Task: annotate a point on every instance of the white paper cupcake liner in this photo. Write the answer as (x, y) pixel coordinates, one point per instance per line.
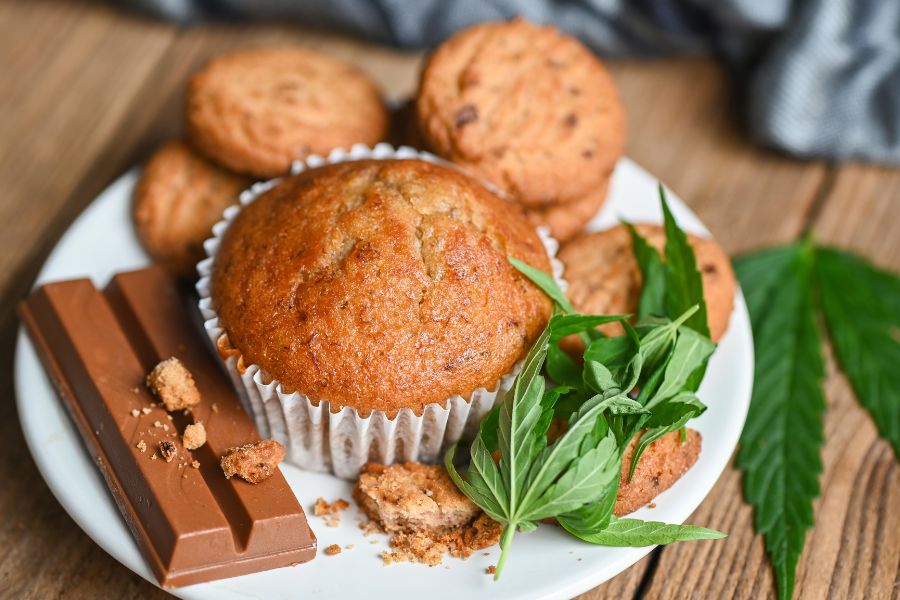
(316, 438)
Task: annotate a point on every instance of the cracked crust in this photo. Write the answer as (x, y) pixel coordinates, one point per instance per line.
(380, 285)
(257, 110)
(525, 107)
(178, 199)
(604, 277)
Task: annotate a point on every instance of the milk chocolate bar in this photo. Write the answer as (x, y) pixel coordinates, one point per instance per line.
(191, 523)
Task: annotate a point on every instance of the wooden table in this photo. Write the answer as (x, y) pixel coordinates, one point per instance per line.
(86, 92)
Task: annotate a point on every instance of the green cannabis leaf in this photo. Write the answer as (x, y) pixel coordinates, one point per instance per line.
(575, 479)
(638, 533)
(783, 436)
(670, 287)
(684, 285)
(861, 305)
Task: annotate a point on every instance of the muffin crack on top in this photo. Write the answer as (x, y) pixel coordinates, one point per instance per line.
(380, 285)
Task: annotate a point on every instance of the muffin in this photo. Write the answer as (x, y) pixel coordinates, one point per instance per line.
(256, 111)
(525, 107)
(604, 277)
(374, 291)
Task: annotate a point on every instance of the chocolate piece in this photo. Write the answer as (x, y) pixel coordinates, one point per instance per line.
(192, 524)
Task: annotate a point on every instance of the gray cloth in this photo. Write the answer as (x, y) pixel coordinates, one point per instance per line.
(817, 78)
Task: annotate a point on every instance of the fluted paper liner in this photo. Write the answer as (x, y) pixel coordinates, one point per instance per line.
(341, 441)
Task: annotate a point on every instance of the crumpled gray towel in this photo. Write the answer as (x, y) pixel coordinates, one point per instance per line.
(819, 78)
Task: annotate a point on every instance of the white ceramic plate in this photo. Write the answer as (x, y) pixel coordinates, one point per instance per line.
(545, 564)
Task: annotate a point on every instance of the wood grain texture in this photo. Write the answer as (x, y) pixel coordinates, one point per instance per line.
(85, 92)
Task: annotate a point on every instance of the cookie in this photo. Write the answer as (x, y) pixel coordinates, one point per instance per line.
(178, 199)
(256, 111)
(604, 277)
(660, 466)
(525, 107)
(566, 220)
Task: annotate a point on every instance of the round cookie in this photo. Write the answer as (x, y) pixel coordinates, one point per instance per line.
(525, 107)
(604, 277)
(566, 220)
(178, 199)
(256, 111)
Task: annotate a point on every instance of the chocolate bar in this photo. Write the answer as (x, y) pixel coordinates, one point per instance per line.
(191, 523)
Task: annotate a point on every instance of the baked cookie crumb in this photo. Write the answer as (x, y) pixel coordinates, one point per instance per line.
(427, 514)
(429, 547)
(167, 450)
(332, 550)
(322, 507)
(194, 436)
(331, 511)
(412, 497)
(253, 462)
(370, 527)
(173, 384)
(491, 569)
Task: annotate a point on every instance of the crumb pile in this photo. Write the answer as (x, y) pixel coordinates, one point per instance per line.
(331, 512)
(427, 514)
(174, 385)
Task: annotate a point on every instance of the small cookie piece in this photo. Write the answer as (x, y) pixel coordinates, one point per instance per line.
(194, 436)
(178, 199)
(604, 277)
(660, 466)
(566, 220)
(412, 497)
(173, 384)
(258, 110)
(167, 450)
(429, 547)
(332, 549)
(253, 462)
(525, 107)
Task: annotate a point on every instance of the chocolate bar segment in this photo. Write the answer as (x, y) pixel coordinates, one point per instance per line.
(193, 525)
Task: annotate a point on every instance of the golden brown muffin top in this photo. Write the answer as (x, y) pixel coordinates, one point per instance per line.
(380, 285)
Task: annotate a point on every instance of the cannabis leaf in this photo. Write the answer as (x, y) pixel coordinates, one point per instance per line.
(535, 480)
(638, 533)
(783, 436)
(861, 305)
(575, 479)
(653, 276)
(669, 287)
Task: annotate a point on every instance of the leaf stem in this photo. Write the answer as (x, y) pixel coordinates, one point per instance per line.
(505, 543)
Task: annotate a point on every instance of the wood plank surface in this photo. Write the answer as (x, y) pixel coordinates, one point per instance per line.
(87, 91)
